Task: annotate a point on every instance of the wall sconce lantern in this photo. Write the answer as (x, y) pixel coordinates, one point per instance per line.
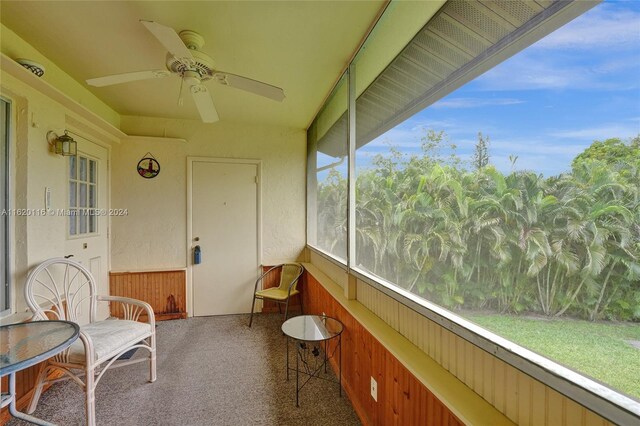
(62, 145)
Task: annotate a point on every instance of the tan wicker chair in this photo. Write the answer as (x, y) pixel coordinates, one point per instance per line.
(61, 289)
(290, 274)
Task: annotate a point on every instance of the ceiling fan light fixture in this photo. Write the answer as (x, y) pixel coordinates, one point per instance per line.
(191, 78)
(194, 67)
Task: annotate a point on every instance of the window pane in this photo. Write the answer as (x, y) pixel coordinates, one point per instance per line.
(83, 169)
(327, 177)
(73, 222)
(72, 167)
(92, 221)
(82, 219)
(92, 171)
(73, 194)
(92, 196)
(83, 195)
(513, 200)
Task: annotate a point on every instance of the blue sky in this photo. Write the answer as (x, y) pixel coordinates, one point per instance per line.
(547, 103)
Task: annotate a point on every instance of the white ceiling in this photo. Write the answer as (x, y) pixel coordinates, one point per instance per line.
(300, 46)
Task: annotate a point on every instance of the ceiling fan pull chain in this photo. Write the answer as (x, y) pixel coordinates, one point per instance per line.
(180, 98)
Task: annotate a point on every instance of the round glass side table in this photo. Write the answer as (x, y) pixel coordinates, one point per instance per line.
(26, 344)
(312, 335)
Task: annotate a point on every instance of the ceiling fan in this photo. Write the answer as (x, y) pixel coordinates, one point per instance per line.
(187, 61)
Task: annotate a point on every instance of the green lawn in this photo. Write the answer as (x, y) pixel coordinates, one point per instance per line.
(600, 350)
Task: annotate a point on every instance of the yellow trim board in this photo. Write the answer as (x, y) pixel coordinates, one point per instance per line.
(461, 400)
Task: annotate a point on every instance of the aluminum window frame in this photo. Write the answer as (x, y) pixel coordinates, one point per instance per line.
(7, 224)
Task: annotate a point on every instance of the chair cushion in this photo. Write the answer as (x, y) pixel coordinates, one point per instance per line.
(109, 337)
(275, 293)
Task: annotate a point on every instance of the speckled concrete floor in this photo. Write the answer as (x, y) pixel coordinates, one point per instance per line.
(211, 371)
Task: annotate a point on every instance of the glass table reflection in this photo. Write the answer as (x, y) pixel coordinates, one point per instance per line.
(26, 344)
(312, 335)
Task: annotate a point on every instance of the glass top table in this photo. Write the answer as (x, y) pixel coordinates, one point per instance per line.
(26, 344)
(315, 346)
(312, 328)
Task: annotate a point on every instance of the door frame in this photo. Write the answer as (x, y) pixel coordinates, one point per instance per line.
(189, 241)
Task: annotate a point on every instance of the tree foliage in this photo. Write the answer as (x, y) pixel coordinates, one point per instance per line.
(481, 154)
(613, 152)
(480, 239)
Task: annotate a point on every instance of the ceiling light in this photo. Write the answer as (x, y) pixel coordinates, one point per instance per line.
(34, 67)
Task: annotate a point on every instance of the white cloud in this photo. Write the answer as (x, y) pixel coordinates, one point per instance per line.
(523, 147)
(409, 134)
(538, 155)
(534, 155)
(601, 27)
(397, 137)
(596, 51)
(531, 71)
(618, 64)
(418, 125)
(601, 132)
(475, 102)
(524, 72)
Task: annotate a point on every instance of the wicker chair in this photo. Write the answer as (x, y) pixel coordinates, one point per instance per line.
(61, 289)
(290, 274)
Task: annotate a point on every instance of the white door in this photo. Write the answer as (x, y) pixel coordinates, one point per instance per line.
(224, 220)
(87, 201)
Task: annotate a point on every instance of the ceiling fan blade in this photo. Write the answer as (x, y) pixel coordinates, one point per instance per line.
(127, 77)
(204, 103)
(168, 37)
(249, 85)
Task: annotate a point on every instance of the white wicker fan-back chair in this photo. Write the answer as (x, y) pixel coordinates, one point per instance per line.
(64, 289)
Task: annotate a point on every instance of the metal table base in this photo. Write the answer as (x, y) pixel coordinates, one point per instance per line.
(321, 344)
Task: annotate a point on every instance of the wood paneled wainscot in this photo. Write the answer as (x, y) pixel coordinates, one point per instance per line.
(419, 392)
(164, 290)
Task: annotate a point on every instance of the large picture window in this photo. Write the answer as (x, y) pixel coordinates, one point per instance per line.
(327, 176)
(514, 201)
(506, 188)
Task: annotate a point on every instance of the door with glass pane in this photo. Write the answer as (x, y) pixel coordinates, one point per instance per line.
(87, 213)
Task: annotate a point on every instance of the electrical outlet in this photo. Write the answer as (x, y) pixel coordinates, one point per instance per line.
(374, 389)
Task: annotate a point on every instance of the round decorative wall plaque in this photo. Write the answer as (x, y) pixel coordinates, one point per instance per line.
(148, 167)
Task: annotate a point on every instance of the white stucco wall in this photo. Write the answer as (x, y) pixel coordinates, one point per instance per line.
(35, 238)
(153, 234)
(15, 47)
